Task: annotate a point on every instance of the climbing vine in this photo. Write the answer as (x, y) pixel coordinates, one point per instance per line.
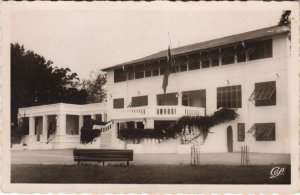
(88, 134)
(200, 124)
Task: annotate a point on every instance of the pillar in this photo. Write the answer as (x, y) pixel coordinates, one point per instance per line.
(179, 98)
(61, 124)
(31, 128)
(152, 100)
(149, 124)
(80, 122)
(93, 116)
(105, 117)
(45, 127)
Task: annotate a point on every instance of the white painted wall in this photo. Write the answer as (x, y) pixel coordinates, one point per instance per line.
(245, 74)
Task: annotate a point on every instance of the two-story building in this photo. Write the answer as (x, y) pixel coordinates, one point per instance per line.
(247, 72)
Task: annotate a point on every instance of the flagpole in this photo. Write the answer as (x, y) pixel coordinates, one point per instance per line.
(177, 79)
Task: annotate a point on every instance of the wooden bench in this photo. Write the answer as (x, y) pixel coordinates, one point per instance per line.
(102, 155)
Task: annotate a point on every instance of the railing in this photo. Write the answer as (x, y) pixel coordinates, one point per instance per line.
(106, 128)
(157, 111)
(72, 138)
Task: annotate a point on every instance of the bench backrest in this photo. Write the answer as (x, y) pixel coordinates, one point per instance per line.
(103, 154)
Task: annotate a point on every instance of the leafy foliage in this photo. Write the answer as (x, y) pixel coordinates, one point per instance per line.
(285, 18)
(34, 81)
(136, 134)
(95, 87)
(88, 134)
(203, 124)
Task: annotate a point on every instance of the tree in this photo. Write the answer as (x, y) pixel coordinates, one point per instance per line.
(95, 87)
(285, 18)
(34, 81)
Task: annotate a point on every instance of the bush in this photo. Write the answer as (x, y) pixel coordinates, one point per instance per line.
(88, 134)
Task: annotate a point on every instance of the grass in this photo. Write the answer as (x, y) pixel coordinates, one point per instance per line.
(147, 174)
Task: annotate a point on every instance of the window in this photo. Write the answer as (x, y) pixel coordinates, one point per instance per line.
(155, 72)
(264, 94)
(130, 125)
(140, 125)
(214, 56)
(130, 73)
(259, 49)
(139, 101)
(162, 70)
(241, 132)
(194, 62)
(167, 99)
(263, 131)
(240, 53)
(229, 97)
(205, 61)
(148, 70)
(118, 103)
(119, 75)
(228, 54)
(139, 72)
(183, 67)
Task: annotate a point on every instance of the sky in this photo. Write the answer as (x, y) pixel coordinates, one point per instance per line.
(87, 40)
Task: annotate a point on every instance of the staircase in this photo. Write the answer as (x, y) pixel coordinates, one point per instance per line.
(106, 136)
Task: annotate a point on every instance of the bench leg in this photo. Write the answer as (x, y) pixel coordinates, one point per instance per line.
(103, 164)
(127, 163)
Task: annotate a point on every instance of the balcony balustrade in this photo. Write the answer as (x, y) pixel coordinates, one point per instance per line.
(157, 112)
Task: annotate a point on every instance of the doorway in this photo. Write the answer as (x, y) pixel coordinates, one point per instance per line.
(229, 139)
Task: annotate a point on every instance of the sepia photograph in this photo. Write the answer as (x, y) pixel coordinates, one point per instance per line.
(151, 94)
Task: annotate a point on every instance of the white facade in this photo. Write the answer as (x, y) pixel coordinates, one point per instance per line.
(245, 74)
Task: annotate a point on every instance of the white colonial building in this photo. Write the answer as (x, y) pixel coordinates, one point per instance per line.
(247, 71)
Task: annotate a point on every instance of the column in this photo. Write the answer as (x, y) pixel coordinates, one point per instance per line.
(61, 124)
(179, 94)
(45, 127)
(149, 124)
(152, 100)
(31, 128)
(105, 117)
(80, 122)
(93, 116)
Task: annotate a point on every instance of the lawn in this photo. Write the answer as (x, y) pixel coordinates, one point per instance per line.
(147, 174)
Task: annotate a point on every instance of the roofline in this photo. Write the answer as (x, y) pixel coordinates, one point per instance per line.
(140, 60)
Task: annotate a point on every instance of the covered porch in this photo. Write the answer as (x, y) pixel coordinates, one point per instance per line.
(56, 125)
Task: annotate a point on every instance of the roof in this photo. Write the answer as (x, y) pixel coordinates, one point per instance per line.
(265, 32)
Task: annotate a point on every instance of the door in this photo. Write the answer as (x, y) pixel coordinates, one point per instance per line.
(229, 139)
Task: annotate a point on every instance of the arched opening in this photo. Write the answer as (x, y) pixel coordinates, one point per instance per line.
(229, 139)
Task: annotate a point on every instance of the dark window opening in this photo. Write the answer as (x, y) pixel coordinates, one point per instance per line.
(139, 101)
(162, 70)
(240, 53)
(119, 75)
(183, 67)
(139, 72)
(118, 103)
(229, 97)
(259, 49)
(214, 56)
(148, 73)
(228, 54)
(264, 94)
(140, 125)
(130, 125)
(194, 62)
(263, 131)
(155, 72)
(205, 61)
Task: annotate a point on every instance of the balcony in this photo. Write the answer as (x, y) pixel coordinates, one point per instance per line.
(167, 112)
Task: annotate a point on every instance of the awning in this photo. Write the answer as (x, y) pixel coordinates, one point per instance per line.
(262, 129)
(263, 93)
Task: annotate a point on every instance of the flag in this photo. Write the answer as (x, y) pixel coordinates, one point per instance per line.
(168, 66)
